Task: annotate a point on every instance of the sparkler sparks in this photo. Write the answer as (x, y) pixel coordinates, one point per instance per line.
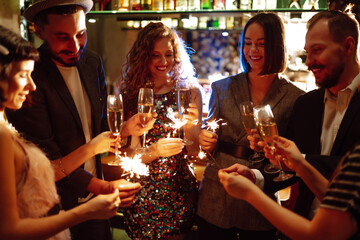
(131, 166)
(205, 154)
(177, 122)
(214, 124)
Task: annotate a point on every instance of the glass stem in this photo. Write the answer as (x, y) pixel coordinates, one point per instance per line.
(144, 140)
(116, 150)
(280, 167)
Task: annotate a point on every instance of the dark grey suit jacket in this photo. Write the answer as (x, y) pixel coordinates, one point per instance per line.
(215, 205)
(305, 126)
(53, 123)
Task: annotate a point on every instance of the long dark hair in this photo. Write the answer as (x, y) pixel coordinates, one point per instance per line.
(13, 48)
(275, 51)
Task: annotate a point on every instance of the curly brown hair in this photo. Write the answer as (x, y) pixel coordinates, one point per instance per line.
(136, 74)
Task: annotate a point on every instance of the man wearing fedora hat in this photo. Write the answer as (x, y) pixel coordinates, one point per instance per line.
(69, 107)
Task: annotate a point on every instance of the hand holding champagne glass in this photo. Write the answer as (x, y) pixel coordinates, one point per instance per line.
(183, 96)
(115, 115)
(247, 118)
(268, 130)
(145, 109)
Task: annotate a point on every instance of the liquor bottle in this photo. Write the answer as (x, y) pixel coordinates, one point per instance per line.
(271, 4)
(146, 5)
(157, 5)
(206, 4)
(135, 5)
(232, 4)
(258, 5)
(219, 4)
(294, 4)
(245, 4)
(181, 5)
(169, 4)
(194, 4)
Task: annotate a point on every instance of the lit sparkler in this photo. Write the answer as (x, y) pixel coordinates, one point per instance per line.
(214, 124)
(131, 166)
(205, 154)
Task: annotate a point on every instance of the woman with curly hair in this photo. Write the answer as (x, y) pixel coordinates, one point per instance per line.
(165, 207)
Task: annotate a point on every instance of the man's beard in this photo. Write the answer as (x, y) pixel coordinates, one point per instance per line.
(333, 79)
(73, 62)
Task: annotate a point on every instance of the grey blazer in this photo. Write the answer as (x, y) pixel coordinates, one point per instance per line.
(215, 205)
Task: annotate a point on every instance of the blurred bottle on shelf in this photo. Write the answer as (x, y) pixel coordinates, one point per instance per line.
(294, 4)
(203, 22)
(311, 4)
(258, 4)
(281, 3)
(157, 5)
(206, 4)
(146, 5)
(222, 22)
(232, 4)
(245, 4)
(169, 4)
(120, 5)
(271, 4)
(194, 5)
(219, 4)
(230, 23)
(181, 5)
(135, 4)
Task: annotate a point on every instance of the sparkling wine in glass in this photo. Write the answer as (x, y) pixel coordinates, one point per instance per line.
(247, 118)
(145, 109)
(268, 130)
(183, 96)
(115, 115)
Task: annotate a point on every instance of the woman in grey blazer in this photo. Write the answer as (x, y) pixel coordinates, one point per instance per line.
(262, 59)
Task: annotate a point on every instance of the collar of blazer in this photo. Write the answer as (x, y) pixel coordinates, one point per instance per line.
(273, 96)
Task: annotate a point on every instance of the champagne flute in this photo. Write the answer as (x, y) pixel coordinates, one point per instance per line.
(247, 118)
(183, 96)
(145, 109)
(115, 115)
(268, 131)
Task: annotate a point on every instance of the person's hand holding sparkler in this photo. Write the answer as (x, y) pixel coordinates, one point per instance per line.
(127, 191)
(208, 140)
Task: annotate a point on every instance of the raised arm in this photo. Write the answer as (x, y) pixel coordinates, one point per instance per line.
(12, 167)
(327, 224)
(289, 154)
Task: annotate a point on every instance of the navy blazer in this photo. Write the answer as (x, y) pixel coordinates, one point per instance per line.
(53, 123)
(304, 128)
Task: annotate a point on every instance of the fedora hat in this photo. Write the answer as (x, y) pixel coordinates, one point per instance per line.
(40, 5)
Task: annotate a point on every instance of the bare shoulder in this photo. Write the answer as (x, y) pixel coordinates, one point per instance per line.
(5, 133)
(7, 145)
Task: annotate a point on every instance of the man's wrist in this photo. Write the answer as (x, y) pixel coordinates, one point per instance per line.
(259, 178)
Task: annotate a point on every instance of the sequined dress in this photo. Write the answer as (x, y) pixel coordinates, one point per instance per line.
(166, 204)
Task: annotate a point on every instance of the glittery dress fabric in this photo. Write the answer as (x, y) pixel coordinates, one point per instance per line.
(166, 204)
